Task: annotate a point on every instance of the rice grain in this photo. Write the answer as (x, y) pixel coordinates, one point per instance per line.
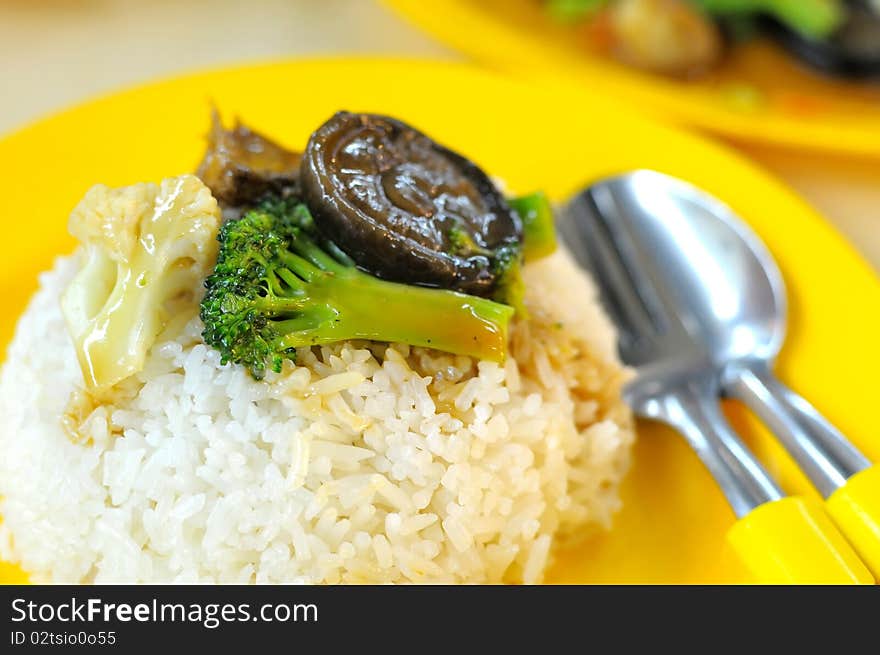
(364, 462)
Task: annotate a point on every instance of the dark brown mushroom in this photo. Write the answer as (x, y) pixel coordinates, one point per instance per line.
(404, 207)
(240, 165)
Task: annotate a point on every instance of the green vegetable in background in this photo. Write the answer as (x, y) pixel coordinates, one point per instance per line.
(574, 10)
(813, 18)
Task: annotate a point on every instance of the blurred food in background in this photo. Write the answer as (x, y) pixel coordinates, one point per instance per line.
(784, 73)
(688, 38)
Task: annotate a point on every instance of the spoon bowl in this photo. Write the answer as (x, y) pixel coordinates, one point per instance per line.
(721, 281)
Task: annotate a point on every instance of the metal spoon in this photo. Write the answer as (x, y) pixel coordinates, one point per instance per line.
(700, 308)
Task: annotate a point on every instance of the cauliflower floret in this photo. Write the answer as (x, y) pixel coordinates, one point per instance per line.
(147, 249)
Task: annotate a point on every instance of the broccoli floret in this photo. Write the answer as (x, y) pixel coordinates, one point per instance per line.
(278, 286)
(146, 248)
(462, 243)
(510, 289)
(539, 240)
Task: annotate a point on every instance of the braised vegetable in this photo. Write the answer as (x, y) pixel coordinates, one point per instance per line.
(812, 18)
(574, 10)
(240, 165)
(279, 285)
(146, 249)
(539, 232)
(404, 207)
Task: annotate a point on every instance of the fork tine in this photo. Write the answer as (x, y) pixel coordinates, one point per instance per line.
(590, 240)
(636, 263)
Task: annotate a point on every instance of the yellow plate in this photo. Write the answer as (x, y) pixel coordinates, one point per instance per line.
(759, 94)
(672, 526)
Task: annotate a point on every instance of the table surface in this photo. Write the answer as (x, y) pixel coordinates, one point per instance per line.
(58, 52)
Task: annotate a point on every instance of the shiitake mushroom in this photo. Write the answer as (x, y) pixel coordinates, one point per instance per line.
(405, 208)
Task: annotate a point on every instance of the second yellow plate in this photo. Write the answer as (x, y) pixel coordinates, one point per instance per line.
(674, 518)
(759, 95)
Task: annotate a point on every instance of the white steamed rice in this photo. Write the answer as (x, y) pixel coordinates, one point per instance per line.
(362, 463)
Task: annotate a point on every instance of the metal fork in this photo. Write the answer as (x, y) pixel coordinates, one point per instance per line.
(677, 384)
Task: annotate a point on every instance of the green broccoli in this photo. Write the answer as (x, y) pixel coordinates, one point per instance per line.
(278, 286)
(539, 231)
(539, 240)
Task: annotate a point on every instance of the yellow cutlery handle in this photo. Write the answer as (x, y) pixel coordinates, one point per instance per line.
(855, 507)
(792, 541)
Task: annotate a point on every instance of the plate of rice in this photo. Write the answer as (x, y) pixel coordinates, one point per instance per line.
(336, 342)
